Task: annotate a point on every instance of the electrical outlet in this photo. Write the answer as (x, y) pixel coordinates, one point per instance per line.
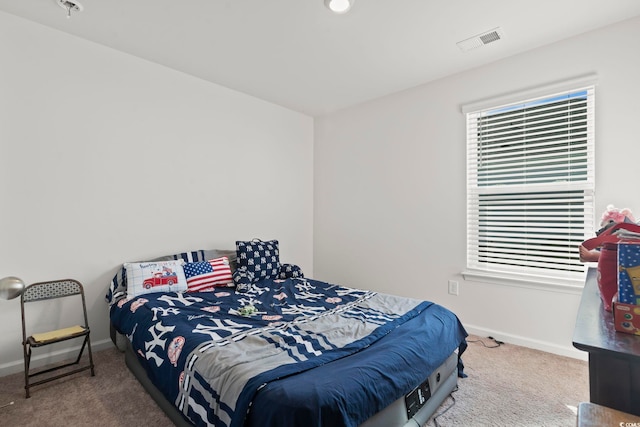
(453, 287)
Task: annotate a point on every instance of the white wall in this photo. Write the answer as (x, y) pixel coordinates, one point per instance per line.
(106, 158)
(390, 184)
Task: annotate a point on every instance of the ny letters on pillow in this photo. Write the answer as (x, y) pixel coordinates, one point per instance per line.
(290, 271)
(161, 276)
(260, 258)
(206, 275)
(243, 279)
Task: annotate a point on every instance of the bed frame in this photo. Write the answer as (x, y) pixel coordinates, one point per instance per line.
(438, 385)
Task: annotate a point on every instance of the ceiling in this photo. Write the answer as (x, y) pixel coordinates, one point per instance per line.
(297, 54)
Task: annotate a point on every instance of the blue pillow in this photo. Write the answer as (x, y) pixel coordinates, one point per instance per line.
(260, 258)
(243, 279)
(290, 271)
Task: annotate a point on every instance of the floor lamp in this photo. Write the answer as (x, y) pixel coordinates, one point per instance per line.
(10, 288)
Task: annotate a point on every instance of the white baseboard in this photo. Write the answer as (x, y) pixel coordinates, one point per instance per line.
(68, 353)
(43, 359)
(568, 350)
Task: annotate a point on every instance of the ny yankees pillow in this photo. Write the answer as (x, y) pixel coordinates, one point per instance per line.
(260, 258)
(290, 271)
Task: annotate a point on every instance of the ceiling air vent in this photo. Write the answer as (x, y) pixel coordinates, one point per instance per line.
(481, 39)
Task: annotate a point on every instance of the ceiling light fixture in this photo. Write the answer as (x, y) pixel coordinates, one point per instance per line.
(339, 6)
(70, 5)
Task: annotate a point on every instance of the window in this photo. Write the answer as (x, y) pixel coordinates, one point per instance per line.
(530, 185)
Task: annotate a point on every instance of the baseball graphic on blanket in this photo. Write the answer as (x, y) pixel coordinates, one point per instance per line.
(174, 350)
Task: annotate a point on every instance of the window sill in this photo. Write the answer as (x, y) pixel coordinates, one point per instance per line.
(569, 286)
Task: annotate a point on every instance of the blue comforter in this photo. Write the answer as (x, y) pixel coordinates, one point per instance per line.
(288, 352)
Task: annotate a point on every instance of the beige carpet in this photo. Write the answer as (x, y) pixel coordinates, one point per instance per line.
(507, 386)
(516, 386)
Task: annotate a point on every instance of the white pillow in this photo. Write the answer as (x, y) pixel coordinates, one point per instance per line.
(158, 276)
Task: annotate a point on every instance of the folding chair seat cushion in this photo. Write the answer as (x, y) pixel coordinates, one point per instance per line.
(57, 335)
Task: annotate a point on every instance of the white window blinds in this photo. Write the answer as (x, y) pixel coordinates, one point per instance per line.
(530, 183)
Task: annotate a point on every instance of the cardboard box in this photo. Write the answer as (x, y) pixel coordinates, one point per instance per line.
(629, 273)
(626, 318)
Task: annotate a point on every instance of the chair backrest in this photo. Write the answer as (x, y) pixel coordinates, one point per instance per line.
(53, 289)
(50, 290)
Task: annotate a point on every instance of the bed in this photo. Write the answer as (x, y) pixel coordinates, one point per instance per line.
(287, 351)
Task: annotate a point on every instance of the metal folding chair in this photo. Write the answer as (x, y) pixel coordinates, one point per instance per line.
(46, 291)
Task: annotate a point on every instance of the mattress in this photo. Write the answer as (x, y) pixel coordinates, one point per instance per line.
(442, 381)
(311, 353)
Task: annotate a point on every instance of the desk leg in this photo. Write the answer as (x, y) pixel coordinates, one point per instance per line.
(614, 382)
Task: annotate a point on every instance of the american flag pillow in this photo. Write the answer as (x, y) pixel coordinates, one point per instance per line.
(206, 275)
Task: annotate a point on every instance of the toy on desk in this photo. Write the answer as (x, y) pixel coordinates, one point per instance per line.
(629, 273)
(627, 318)
(610, 217)
(603, 249)
(614, 215)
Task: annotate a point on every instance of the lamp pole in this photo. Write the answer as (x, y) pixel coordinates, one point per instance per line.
(10, 287)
